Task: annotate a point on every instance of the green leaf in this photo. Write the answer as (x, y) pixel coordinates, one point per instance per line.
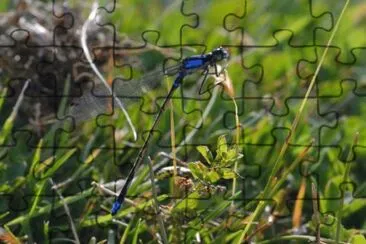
(221, 149)
(205, 152)
(198, 170)
(137, 230)
(2, 97)
(5, 187)
(353, 207)
(188, 203)
(328, 227)
(212, 176)
(332, 191)
(358, 239)
(227, 173)
(46, 230)
(59, 162)
(4, 5)
(127, 231)
(36, 159)
(233, 153)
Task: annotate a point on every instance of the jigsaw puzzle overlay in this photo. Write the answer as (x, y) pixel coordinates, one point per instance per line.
(268, 144)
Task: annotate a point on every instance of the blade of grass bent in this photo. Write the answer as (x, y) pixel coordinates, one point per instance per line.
(83, 40)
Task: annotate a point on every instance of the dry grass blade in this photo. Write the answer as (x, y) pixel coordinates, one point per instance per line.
(297, 213)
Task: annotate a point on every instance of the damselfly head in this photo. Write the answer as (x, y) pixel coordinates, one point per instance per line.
(220, 54)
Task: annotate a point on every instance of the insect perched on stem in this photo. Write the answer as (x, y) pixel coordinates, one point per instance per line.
(208, 64)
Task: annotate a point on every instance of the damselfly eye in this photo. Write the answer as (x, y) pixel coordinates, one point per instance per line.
(220, 54)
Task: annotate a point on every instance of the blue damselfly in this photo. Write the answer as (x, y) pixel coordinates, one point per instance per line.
(206, 63)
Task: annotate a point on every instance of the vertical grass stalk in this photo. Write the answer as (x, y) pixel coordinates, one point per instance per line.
(277, 165)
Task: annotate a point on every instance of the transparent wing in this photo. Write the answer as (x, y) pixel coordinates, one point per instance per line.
(97, 100)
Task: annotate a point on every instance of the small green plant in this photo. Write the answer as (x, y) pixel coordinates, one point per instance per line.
(218, 167)
(206, 192)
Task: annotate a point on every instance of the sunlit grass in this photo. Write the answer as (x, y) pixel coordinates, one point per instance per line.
(243, 174)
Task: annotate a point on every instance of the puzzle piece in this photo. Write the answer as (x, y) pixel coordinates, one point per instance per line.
(284, 19)
(351, 41)
(340, 98)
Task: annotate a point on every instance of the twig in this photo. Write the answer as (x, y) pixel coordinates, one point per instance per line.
(67, 211)
(166, 155)
(119, 222)
(104, 189)
(237, 142)
(156, 203)
(62, 240)
(110, 192)
(180, 170)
